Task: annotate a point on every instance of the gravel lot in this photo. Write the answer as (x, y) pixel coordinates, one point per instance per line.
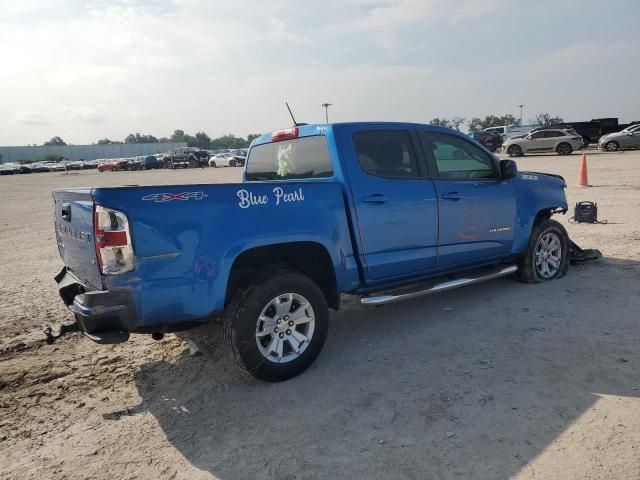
(496, 380)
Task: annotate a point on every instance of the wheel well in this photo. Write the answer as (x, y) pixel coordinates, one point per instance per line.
(545, 214)
(308, 258)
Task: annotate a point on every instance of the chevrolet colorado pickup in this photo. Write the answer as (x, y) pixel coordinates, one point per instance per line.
(384, 211)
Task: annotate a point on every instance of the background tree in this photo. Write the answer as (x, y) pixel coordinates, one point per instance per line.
(202, 141)
(177, 136)
(476, 123)
(546, 120)
(454, 123)
(251, 137)
(55, 141)
(139, 138)
(106, 141)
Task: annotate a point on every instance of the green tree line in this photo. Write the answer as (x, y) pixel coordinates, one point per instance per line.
(199, 139)
(477, 123)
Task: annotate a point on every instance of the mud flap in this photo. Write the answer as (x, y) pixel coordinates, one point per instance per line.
(579, 255)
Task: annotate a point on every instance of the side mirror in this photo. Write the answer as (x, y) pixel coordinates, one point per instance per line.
(630, 133)
(508, 169)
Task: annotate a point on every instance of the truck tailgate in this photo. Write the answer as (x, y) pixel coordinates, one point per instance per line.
(74, 234)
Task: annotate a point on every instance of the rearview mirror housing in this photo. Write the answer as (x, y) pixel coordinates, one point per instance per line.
(508, 169)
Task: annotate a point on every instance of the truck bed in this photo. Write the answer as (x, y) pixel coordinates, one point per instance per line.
(186, 237)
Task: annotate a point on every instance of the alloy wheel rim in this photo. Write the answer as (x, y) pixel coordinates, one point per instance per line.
(611, 147)
(285, 328)
(548, 255)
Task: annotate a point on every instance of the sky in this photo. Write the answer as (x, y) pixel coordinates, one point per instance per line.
(86, 70)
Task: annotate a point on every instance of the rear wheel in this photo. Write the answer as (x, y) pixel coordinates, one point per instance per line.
(547, 255)
(514, 151)
(276, 327)
(611, 146)
(564, 149)
(212, 164)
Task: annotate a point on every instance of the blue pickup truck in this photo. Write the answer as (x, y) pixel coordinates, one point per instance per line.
(384, 211)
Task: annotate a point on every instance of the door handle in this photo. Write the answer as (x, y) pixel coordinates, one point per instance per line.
(375, 198)
(451, 196)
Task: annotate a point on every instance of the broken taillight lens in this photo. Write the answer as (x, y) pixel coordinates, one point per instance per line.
(112, 241)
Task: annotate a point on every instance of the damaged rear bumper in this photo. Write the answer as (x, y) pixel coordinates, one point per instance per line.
(104, 316)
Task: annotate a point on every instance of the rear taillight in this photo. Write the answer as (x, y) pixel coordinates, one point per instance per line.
(286, 134)
(113, 241)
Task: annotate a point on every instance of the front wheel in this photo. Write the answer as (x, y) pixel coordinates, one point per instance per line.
(514, 151)
(277, 326)
(611, 146)
(547, 255)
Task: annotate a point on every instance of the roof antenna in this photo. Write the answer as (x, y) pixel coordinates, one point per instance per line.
(295, 124)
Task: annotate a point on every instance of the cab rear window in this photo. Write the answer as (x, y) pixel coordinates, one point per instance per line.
(306, 157)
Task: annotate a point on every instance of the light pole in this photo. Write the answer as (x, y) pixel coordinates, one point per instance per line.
(326, 111)
(521, 110)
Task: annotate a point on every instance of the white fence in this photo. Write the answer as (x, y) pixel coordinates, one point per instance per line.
(85, 152)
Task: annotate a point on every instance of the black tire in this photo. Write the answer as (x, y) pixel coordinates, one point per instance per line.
(240, 323)
(527, 269)
(564, 149)
(129, 168)
(611, 146)
(586, 141)
(170, 164)
(193, 163)
(514, 151)
(212, 164)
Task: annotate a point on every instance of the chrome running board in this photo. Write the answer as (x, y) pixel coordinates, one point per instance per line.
(390, 296)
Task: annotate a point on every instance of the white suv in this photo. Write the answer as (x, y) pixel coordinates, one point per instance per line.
(563, 141)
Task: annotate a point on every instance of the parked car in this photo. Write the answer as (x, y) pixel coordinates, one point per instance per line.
(226, 160)
(113, 165)
(23, 169)
(185, 157)
(627, 139)
(491, 141)
(39, 167)
(270, 256)
(7, 169)
(144, 162)
(561, 141)
(53, 166)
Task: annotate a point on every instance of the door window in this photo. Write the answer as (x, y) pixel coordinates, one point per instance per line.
(386, 153)
(538, 135)
(553, 134)
(457, 158)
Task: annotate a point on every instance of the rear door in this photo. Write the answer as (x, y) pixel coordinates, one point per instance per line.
(395, 202)
(477, 209)
(74, 234)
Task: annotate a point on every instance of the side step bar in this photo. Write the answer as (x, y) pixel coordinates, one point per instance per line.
(390, 296)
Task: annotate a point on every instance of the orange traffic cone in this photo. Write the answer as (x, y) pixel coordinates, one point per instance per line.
(582, 173)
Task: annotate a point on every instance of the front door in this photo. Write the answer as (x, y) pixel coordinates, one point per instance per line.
(477, 210)
(539, 142)
(394, 200)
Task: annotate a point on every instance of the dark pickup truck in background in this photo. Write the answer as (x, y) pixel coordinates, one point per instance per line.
(592, 131)
(186, 157)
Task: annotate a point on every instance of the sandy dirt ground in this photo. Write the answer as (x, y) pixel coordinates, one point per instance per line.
(498, 380)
